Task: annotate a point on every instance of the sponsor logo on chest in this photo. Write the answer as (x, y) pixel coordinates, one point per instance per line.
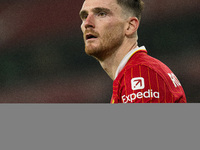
(139, 95)
(139, 84)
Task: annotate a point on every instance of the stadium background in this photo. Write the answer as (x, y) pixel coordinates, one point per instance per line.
(42, 58)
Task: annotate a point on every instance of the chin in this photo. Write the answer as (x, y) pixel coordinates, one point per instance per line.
(96, 50)
(91, 50)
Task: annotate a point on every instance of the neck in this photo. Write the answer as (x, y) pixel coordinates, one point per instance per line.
(111, 63)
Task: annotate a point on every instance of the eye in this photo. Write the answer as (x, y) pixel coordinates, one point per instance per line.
(84, 17)
(101, 14)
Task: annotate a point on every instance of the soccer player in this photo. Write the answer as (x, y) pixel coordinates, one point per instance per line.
(110, 34)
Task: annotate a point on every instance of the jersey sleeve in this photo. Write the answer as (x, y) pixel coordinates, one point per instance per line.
(142, 84)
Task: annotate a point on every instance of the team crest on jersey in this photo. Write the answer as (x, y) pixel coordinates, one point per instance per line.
(137, 83)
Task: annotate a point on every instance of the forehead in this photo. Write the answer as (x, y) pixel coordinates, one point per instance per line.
(90, 4)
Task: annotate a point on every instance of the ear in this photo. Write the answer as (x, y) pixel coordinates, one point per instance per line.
(132, 26)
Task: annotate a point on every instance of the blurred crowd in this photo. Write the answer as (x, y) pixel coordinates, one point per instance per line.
(42, 57)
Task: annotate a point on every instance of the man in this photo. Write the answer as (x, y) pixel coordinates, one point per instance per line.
(110, 34)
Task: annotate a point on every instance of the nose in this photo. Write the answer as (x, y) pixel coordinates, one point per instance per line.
(89, 22)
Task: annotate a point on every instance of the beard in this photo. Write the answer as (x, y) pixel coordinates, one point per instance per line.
(105, 45)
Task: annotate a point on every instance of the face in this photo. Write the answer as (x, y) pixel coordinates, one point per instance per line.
(103, 27)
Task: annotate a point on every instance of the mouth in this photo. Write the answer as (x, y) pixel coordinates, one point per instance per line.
(90, 37)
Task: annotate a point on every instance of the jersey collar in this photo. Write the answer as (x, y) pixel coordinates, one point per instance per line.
(126, 59)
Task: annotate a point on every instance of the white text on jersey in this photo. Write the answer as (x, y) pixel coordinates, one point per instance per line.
(132, 97)
(174, 80)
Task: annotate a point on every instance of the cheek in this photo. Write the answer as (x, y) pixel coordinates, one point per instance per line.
(113, 30)
(82, 28)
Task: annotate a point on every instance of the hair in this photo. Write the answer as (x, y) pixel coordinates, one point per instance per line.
(134, 6)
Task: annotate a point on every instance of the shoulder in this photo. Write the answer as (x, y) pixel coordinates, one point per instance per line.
(141, 64)
(144, 73)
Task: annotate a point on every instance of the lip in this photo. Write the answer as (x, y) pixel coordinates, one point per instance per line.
(90, 37)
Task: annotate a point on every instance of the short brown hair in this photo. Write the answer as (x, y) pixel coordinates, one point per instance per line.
(135, 6)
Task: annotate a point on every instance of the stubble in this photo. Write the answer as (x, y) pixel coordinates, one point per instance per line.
(108, 43)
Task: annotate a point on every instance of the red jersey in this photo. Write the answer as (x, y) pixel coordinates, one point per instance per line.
(141, 78)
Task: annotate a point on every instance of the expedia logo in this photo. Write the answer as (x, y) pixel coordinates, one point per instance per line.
(148, 94)
(137, 83)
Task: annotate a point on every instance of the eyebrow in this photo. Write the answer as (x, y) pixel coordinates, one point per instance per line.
(95, 10)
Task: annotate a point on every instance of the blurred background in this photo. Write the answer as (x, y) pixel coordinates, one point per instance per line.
(42, 58)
